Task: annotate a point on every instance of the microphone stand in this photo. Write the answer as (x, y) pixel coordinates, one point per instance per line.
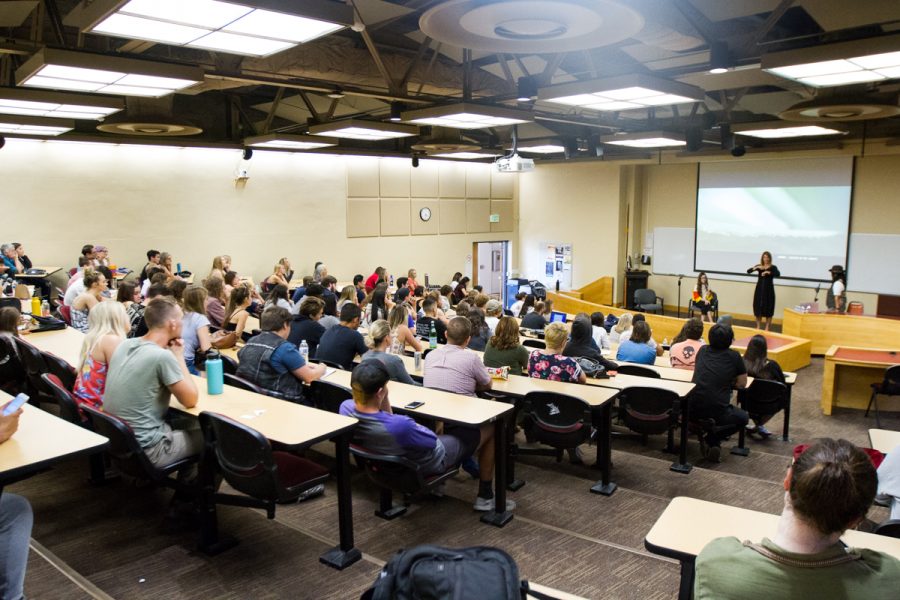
(679, 295)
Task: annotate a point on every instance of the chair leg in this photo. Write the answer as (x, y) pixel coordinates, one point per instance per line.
(670, 441)
(740, 449)
(871, 400)
(386, 509)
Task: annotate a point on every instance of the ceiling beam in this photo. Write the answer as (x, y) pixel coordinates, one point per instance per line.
(271, 115)
(553, 65)
(751, 46)
(427, 73)
(404, 81)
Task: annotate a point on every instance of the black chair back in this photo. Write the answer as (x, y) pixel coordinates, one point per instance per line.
(34, 365)
(329, 363)
(239, 382)
(13, 378)
(68, 406)
(763, 397)
(637, 370)
(561, 421)
(329, 395)
(649, 410)
(396, 473)
(11, 303)
(244, 456)
(229, 365)
(62, 369)
(891, 384)
(532, 343)
(644, 296)
(890, 528)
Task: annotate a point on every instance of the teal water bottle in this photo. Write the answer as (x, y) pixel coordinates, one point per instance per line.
(215, 377)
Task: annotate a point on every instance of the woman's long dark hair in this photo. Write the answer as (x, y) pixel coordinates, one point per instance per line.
(526, 304)
(756, 355)
(379, 309)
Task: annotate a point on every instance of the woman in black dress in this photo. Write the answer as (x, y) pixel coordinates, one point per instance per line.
(764, 296)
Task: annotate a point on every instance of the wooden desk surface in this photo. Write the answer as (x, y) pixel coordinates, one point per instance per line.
(42, 439)
(884, 440)
(49, 271)
(688, 524)
(281, 421)
(64, 343)
(854, 355)
(439, 405)
(558, 595)
(621, 382)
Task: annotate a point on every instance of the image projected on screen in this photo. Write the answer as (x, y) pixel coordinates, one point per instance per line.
(805, 227)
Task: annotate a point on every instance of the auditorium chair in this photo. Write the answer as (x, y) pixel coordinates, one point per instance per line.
(889, 386)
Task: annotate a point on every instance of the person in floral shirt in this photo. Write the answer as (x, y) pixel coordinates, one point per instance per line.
(550, 363)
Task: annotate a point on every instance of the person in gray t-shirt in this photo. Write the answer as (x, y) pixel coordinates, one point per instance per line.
(378, 339)
(143, 374)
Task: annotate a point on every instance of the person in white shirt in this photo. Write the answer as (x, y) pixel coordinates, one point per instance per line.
(601, 338)
(837, 299)
(516, 307)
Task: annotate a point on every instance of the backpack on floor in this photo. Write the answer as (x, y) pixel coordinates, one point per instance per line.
(435, 573)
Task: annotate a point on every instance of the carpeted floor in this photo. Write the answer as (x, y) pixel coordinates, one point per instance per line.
(107, 541)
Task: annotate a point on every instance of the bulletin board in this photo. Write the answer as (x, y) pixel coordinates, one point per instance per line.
(557, 262)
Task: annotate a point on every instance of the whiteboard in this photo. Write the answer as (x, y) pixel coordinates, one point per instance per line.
(673, 251)
(874, 264)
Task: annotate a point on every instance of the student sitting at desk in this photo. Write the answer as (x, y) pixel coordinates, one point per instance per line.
(380, 430)
(11, 265)
(550, 363)
(342, 343)
(623, 325)
(505, 350)
(236, 314)
(402, 335)
(298, 294)
(378, 340)
(581, 343)
(270, 361)
(16, 520)
(638, 318)
(197, 338)
(423, 325)
(717, 370)
(94, 286)
(636, 347)
(143, 373)
(348, 294)
(828, 489)
(108, 326)
(278, 296)
(759, 366)
(480, 330)
(451, 367)
(598, 331)
(305, 326)
(152, 261)
(685, 345)
(536, 319)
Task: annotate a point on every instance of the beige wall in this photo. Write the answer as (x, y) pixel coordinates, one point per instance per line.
(576, 203)
(57, 196)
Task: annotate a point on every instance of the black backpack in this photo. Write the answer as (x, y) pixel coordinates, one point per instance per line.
(435, 573)
(538, 290)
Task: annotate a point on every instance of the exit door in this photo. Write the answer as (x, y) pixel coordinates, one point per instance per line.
(491, 262)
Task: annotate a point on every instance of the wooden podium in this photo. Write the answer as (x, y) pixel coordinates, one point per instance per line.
(634, 280)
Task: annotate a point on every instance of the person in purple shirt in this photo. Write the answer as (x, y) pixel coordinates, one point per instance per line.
(382, 432)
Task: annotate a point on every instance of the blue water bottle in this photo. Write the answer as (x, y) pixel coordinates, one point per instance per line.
(178, 269)
(215, 378)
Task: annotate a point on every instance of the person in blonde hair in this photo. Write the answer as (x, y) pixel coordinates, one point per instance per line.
(195, 326)
(276, 278)
(550, 363)
(378, 340)
(108, 324)
(402, 334)
(621, 327)
(218, 269)
(348, 294)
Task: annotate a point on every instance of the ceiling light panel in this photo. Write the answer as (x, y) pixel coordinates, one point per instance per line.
(356, 129)
(21, 125)
(467, 116)
(289, 142)
(465, 155)
(219, 26)
(542, 148)
(85, 72)
(646, 139)
(627, 92)
(789, 132)
(833, 65)
(16, 101)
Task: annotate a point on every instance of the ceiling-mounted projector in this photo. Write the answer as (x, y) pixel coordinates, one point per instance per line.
(514, 164)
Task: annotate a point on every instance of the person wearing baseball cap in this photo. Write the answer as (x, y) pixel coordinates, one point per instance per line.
(836, 300)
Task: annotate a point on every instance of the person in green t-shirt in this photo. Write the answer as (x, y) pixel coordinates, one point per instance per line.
(828, 489)
(504, 348)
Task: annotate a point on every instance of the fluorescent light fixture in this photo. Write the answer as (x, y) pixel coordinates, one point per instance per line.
(23, 125)
(467, 116)
(357, 129)
(84, 72)
(541, 147)
(465, 155)
(38, 103)
(285, 141)
(777, 130)
(646, 139)
(259, 28)
(845, 63)
(626, 92)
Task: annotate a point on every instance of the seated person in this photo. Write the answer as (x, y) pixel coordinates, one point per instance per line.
(380, 430)
(378, 340)
(156, 290)
(329, 295)
(195, 330)
(101, 257)
(423, 325)
(651, 342)
(108, 326)
(143, 373)
(301, 291)
(756, 359)
(717, 370)
(828, 489)
(288, 271)
(23, 258)
(41, 283)
(10, 263)
(401, 331)
(480, 330)
(580, 343)
(305, 325)
(9, 323)
(535, 319)
(94, 286)
(342, 343)
(348, 294)
(622, 326)
(703, 298)
(270, 361)
(889, 480)
(315, 290)
(598, 331)
(215, 300)
(451, 368)
(155, 275)
(516, 307)
(636, 348)
(504, 348)
(152, 261)
(686, 344)
(236, 314)
(278, 277)
(550, 362)
(359, 287)
(278, 296)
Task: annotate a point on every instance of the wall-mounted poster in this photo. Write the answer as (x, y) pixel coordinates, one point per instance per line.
(557, 264)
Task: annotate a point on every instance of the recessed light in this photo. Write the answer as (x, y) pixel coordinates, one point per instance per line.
(358, 129)
(467, 115)
(843, 63)
(646, 139)
(284, 141)
(626, 92)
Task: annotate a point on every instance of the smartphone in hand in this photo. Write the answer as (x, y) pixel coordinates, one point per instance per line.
(14, 405)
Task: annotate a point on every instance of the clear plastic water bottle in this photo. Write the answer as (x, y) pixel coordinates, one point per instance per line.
(392, 281)
(432, 336)
(304, 350)
(45, 309)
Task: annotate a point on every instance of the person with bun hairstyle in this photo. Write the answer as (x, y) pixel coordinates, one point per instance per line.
(828, 489)
(378, 340)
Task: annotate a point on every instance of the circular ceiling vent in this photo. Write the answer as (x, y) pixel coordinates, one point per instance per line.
(149, 128)
(835, 109)
(530, 26)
